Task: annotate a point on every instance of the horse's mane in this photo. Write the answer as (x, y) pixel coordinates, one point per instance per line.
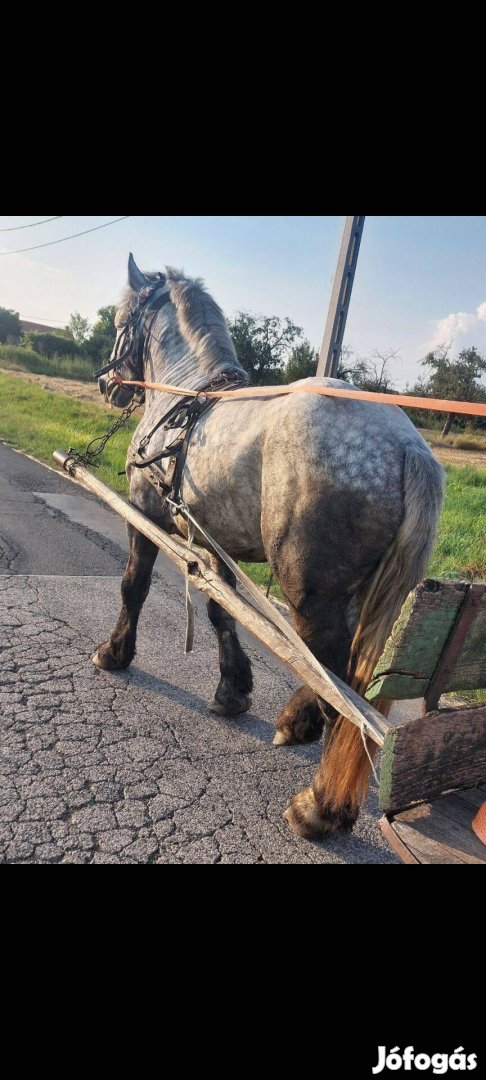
(201, 321)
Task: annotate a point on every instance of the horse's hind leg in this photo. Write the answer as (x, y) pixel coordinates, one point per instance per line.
(339, 788)
(324, 630)
(119, 650)
(236, 683)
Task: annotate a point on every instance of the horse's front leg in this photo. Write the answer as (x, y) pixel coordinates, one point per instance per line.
(236, 683)
(119, 650)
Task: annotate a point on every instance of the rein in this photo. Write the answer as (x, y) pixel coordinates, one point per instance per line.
(471, 408)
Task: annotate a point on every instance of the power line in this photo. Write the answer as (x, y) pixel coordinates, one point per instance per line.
(31, 226)
(50, 244)
(40, 319)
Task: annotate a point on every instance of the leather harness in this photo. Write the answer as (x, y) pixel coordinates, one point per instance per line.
(183, 415)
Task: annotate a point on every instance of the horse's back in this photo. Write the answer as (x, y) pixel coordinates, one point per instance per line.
(327, 472)
(350, 443)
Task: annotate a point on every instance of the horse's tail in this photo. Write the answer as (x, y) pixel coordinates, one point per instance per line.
(345, 769)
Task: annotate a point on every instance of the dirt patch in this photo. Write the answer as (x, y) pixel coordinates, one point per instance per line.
(460, 457)
(82, 391)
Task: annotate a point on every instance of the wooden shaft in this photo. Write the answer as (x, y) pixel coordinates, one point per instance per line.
(196, 563)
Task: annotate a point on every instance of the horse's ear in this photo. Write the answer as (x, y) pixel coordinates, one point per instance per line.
(136, 279)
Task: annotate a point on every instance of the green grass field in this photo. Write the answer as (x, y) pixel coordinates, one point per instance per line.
(39, 421)
(15, 358)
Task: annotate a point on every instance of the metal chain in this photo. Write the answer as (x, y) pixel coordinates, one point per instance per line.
(88, 456)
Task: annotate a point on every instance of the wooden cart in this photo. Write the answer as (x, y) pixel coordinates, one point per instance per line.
(433, 770)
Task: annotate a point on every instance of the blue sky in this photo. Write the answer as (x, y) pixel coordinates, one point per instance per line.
(419, 281)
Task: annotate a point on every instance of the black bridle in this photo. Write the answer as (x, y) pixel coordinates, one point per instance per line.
(131, 342)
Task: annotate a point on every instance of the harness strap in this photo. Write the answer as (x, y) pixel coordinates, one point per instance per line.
(182, 415)
(173, 449)
(152, 302)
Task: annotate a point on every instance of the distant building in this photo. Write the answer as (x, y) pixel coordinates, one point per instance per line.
(38, 327)
(25, 325)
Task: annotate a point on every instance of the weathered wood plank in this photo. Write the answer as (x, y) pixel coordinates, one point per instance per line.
(424, 848)
(444, 673)
(281, 640)
(457, 809)
(425, 757)
(395, 842)
(475, 796)
(437, 838)
(417, 640)
(469, 672)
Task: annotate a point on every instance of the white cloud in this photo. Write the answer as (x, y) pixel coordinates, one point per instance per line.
(462, 328)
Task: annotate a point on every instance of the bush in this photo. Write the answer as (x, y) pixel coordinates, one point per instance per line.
(50, 344)
(468, 442)
(15, 358)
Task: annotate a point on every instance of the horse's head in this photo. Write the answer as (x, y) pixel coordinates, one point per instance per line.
(133, 317)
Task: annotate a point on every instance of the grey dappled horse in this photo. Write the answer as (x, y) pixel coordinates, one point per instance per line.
(340, 497)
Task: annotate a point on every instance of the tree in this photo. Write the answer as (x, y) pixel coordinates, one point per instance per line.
(302, 362)
(368, 373)
(103, 334)
(454, 379)
(9, 324)
(106, 320)
(78, 328)
(261, 345)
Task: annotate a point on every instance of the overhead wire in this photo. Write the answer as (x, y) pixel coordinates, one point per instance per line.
(14, 228)
(63, 238)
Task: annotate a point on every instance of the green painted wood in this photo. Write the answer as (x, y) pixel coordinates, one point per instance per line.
(417, 640)
(470, 669)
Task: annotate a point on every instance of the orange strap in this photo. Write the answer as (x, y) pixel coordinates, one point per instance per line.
(473, 408)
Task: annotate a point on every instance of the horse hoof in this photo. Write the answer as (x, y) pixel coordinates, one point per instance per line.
(304, 818)
(231, 708)
(301, 721)
(281, 739)
(105, 660)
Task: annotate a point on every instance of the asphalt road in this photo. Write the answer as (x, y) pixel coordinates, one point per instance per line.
(130, 767)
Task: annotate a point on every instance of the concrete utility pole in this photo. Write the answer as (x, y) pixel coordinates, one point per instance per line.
(341, 295)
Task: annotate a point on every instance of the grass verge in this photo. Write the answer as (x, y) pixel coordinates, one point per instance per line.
(39, 421)
(65, 367)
